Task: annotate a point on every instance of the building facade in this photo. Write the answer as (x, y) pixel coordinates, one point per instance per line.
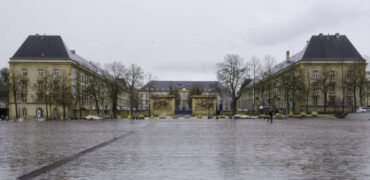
(50, 81)
(328, 75)
(183, 92)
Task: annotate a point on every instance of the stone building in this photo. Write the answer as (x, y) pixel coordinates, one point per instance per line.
(54, 81)
(328, 75)
(187, 96)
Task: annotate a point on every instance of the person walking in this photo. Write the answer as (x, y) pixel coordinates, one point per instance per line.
(271, 115)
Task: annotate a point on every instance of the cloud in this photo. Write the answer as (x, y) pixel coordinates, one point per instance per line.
(319, 15)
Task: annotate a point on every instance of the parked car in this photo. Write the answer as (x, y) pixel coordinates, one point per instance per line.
(92, 117)
(363, 109)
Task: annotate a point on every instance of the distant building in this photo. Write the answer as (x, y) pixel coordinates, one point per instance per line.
(184, 91)
(41, 64)
(328, 64)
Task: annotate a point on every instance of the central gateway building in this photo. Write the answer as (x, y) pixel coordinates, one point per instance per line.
(184, 97)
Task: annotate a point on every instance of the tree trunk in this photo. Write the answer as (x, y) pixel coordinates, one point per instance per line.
(51, 112)
(293, 103)
(64, 111)
(325, 96)
(361, 96)
(354, 99)
(46, 109)
(96, 105)
(132, 102)
(15, 104)
(287, 104)
(234, 101)
(80, 106)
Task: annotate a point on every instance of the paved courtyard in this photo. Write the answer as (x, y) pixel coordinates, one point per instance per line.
(188, 149)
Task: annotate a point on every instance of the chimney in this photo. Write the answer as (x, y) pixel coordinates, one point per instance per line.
(73, 51)
(287, 56)
(337, 35)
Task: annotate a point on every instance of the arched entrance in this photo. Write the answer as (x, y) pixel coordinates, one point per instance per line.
(39, 113)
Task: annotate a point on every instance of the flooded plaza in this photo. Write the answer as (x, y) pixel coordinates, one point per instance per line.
(188, 149)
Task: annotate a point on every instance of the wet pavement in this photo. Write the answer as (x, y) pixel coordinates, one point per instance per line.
(189, 149)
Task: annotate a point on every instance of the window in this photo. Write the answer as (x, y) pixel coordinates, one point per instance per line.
(315, 87)
(349, 88)
(332, 74)
(332, 100)
(315, 74)
(56, 72)
(55, 112)
(40, 85)
(40, 99)
(56, 86)
(24, 72)
(349, 74)
(24, 86)
(24, 99)
(315, 101)
(40, 72)
(332, 88)
(349, 101)
(24, 112)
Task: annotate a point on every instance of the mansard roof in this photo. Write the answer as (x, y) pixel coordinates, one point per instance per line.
(320, 47)
(334, 47)
(165, 85)
(50, 47)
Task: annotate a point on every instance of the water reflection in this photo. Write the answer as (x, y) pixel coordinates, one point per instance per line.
(182, 149)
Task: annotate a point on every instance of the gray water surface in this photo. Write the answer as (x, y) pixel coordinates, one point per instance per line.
(189, 149)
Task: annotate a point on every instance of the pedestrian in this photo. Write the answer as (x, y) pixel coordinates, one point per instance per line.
(271, 115)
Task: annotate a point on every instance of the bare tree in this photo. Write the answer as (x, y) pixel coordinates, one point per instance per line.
(256, 67)
(269, 63)
(63, 92)
(361, 83)
(149, 77)
(296, 86)
(307, 87)
(232, 72)
(357, 79)
(96, 87)
(79, 92)
(116, 83)
(46, 89)
(323, 80)
(134, 77)
(15, 83)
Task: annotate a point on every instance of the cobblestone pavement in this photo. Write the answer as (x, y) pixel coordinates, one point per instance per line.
(189, 149)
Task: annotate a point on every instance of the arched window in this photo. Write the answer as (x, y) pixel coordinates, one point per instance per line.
(24, 112)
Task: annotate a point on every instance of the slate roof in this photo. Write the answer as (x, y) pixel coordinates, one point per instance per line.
(320, 47)
(50, 47)
(323, 47)
(165, 85)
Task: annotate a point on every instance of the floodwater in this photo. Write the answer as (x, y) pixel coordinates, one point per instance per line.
(189, 149)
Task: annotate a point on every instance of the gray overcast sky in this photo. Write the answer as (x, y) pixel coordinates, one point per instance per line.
(181, 40)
